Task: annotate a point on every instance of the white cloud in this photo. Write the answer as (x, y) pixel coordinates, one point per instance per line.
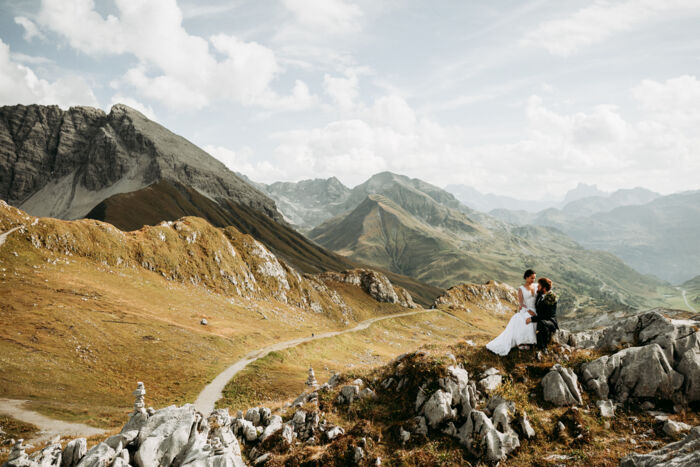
(327, 16)
(20, 85)
(134, 104)
(343, 91)
(175, 67)
(30, 29)
(241, 161)
(600, 20)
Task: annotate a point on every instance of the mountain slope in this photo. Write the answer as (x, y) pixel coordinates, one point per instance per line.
(167, 201)
(309, 202)
(444, 246)
(62, 163)
(657, 238)
(127, 170)
(88, 309)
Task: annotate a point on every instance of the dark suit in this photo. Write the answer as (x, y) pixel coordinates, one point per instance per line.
(546, 319)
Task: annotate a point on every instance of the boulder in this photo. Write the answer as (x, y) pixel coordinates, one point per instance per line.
(636, 372)
(273, 427)
(525, 426)
(490, 380)
(73, 452)
(165, 435)
(438, 409)
(334, 432)
(483, 440)
(99, 455)
(606, 408)
(560, 387)
(456, 383)
(348, 393)
(685, 452)
(673, 429)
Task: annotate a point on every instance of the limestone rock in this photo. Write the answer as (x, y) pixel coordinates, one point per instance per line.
(606, 408)
(100, 455)
(165, 435)
(438, 408)
(683, 453)
(491, 380)
(73, 452)
(375, 284)
(334, 432)
(560, 387)
(483, 440)
(274, 426)
(673, 429)
(456, 383)
(636, 372)
(348, 394)
(525, 426)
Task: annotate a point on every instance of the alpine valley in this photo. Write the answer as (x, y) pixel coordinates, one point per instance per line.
(160, 309)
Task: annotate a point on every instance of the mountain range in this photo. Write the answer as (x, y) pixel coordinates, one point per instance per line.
(122, 168)
(414, 228)
(589, 195)
(654, 234)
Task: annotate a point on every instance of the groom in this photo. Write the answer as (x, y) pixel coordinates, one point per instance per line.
(546, 316)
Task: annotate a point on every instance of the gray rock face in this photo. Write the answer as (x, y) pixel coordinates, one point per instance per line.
(490, 380)
(377, 285)
(62, 163)
(683, 453)
(637, 372)
(663, 362)
(606, 408)
(482, 439)
(456, 383)
(560, 387)
(438, 409)
(73, 452)
(673, 429)
(308, 203)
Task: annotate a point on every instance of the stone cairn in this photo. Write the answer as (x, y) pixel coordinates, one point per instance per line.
(311, 381)
(140, 402)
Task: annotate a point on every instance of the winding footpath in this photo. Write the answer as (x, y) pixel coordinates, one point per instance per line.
(214, 391)
(687, 303)
(48, 427)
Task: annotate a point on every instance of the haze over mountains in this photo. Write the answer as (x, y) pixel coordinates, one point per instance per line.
(124, 169)
(414, 228)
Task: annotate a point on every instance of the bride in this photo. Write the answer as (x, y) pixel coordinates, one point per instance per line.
(518, 332)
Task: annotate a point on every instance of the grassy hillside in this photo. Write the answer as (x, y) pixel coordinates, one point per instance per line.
(169, 200)
(89, 310)
(444, 247)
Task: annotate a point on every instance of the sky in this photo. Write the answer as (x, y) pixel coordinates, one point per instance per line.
(519, 98)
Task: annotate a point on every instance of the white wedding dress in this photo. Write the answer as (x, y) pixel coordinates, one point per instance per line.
(517, 332)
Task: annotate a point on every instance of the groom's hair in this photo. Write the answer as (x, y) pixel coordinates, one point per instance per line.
(545, 283)
(528, 273)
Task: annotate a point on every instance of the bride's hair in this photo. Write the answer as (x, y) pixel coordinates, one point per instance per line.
(528, 273)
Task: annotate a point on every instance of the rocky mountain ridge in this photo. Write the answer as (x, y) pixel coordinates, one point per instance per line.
(432, 237)
(62, 163)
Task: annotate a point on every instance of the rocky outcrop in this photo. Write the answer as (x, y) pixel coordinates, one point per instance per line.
(494, 296)
(560, 387)
(376, 284)
(683, 453)
(661, 361)
(62, 163)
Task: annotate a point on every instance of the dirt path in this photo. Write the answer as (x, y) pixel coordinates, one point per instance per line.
(687, 303)
(48, 427)
(214, 391)
(3, 236)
